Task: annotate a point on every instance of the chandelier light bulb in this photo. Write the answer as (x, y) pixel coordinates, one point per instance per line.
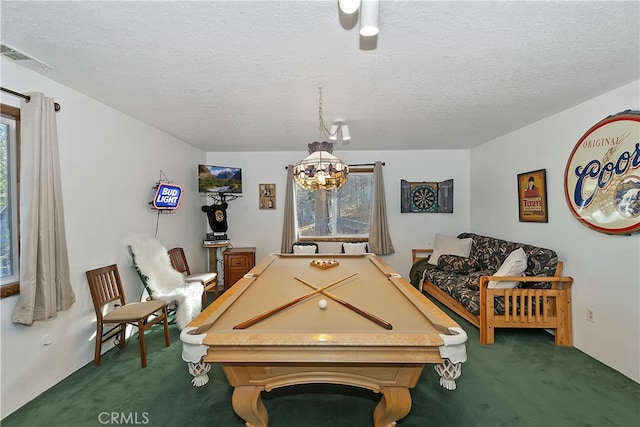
(321, 178)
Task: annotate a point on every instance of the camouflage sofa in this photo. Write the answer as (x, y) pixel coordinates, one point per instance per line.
(540, 299)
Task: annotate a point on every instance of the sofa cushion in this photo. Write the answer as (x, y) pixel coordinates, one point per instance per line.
(468, 297)
(457, 264)
(447, 280)
(514, 265)
(448, 245)
(490, 253)
(442, 279)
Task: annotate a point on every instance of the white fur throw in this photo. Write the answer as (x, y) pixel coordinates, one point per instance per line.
(188, 299)
(165, 283)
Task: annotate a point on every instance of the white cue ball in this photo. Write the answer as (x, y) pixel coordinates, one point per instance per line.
(322, 303)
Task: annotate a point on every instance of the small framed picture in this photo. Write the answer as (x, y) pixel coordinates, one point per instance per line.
(532, 196)
(267, 196)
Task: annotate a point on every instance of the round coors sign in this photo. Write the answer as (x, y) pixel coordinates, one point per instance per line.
(602, 177)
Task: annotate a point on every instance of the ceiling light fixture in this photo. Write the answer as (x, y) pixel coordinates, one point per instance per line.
(346, 136)
(321, 170)
(339, 126)
(369, 15)
(349, 6)
(333, 134)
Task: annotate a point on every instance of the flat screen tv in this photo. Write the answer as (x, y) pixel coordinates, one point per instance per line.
(219, 179)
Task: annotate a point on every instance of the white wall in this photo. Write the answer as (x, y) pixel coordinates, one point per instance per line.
(605, 268)
(109, 163)
(250, 226)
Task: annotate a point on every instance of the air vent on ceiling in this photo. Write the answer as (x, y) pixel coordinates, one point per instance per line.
(23, 59)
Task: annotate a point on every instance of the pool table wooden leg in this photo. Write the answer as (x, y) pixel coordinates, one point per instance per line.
(247, 403)
(394, 405)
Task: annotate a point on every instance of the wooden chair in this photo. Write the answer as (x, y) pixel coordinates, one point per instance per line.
(106, 288)
(209, 280)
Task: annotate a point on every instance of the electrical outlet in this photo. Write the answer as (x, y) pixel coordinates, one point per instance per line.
(590, 316)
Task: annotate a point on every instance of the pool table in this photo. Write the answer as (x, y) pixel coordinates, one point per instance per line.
(376, 332)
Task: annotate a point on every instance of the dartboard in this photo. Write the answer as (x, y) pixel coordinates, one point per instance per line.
(424, 199)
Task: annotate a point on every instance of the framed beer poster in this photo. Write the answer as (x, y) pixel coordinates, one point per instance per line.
(602, 176)
(532, 196)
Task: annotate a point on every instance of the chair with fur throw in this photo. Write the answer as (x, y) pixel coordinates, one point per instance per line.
(151, 261)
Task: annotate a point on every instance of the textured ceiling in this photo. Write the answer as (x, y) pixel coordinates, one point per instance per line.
(244, 75)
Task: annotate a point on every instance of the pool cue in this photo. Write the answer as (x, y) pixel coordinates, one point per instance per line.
(361, 312)
(270, 313)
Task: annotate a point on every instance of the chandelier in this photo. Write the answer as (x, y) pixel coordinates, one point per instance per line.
(321, 170)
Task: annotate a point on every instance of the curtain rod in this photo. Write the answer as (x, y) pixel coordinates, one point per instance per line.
(365, 164)
(356, 165)
(56, 106)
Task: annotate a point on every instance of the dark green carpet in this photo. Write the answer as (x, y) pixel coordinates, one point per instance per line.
(521, 380)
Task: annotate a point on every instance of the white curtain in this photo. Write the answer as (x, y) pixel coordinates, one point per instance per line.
(289, 223)
(45, 286)
(379, 237)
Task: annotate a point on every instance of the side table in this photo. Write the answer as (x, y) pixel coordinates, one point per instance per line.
(237, 262)
(213, 254)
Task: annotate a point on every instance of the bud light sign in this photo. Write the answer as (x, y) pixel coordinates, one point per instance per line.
(167, 196)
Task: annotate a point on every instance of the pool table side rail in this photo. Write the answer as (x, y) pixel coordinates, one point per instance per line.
(335, 354)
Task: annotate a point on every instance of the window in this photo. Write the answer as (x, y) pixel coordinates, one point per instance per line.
(9, 227)
(340, 214)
